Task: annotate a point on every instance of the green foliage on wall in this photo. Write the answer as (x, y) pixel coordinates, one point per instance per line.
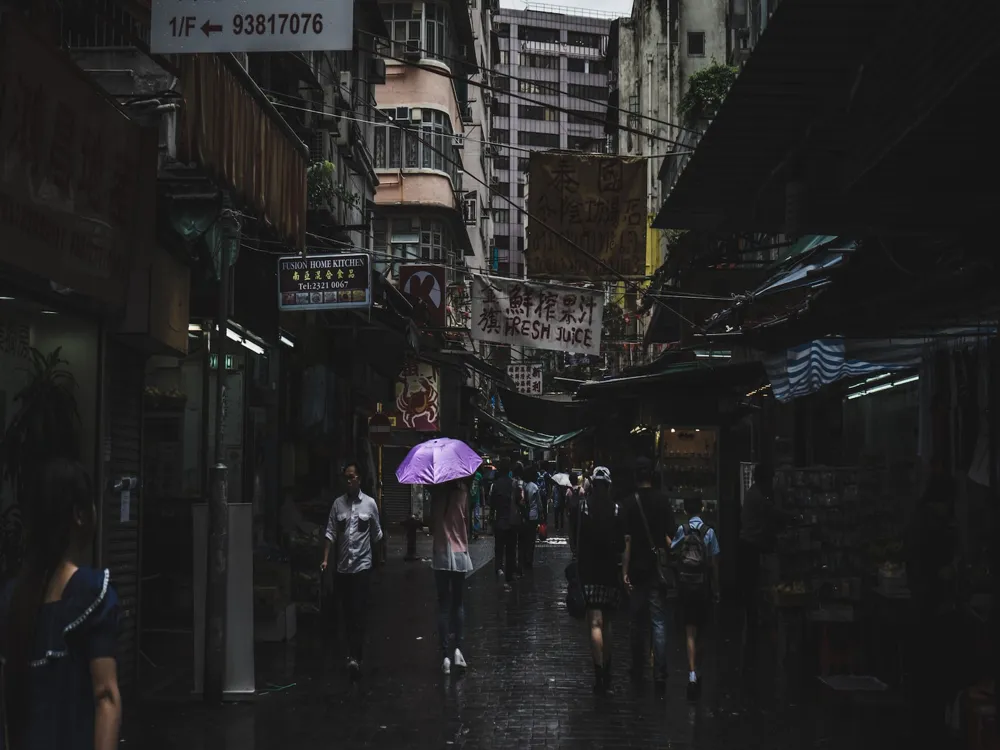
(706, 90)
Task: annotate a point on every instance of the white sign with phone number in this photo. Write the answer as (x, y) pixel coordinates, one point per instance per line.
(210, 26)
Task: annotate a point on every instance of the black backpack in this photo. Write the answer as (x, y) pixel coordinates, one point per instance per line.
(692, 558)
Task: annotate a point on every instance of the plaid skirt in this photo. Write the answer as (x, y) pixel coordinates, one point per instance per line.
(601, 596)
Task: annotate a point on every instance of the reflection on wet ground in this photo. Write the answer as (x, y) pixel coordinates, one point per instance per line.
(528, 685)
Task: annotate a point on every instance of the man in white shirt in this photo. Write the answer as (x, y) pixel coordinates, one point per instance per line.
(352, 529)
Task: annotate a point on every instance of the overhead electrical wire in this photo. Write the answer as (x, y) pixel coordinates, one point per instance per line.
(524, 97)
(540, 84)
(630, 284)
(460, 268)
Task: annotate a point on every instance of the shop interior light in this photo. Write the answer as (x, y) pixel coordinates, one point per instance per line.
(286, 341)
(869, 381)
(7, 299)
(672, 429)
(194, 327)
(714, 355)
(49, 312)
(882, 387)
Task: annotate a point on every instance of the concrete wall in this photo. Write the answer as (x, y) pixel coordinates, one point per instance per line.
(408, 86)
(426, 187)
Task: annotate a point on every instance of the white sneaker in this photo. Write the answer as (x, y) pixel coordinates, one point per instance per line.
(460, 660)
(446, 665)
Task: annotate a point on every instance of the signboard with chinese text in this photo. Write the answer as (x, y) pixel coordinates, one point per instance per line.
(528, 378)
(540, 316)
(426, 284)
(190, 26)
(77, 175)
(324, 282)
(598, 202)
(418, 399)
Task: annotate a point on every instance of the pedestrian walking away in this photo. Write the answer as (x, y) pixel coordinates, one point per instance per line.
(505, 524)
(352, 530)
(451, 563)
(59, 627)
(599, 548)
(697, 552)
(649, 528)
(529, 532)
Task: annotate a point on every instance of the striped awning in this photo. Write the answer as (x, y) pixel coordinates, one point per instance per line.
(806, 368)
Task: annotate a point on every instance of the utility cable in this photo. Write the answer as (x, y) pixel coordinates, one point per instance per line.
(596, 118)
(540, 84)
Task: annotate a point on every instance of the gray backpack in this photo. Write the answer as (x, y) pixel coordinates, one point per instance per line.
(692, 558)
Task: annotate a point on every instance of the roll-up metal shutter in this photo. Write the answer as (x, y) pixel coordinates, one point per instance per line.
(120, 534)
(395, 496)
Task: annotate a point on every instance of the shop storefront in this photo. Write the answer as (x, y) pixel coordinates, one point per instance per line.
(77, 197)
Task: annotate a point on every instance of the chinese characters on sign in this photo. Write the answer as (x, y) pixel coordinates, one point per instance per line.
(324, 282)
(536, 315)
(598, 202)
(528, 378)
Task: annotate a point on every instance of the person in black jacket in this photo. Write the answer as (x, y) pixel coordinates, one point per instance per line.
(598, 550)
(505, 524)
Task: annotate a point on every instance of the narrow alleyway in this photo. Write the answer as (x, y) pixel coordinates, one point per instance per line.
(528, 686)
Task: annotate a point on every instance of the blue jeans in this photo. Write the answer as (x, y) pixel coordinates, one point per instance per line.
(648, 610)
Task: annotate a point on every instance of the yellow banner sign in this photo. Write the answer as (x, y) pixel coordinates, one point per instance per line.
(586, 204)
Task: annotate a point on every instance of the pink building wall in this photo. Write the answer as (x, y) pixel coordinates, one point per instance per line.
(409, 86)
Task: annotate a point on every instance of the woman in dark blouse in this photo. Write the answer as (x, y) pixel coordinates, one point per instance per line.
(58, 628)
(599, 550)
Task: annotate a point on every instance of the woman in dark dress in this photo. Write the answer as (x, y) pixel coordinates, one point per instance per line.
(599, 551)
(59, 627)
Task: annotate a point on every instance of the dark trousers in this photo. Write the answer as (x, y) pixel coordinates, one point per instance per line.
(505, 551)
(749, 556)
(526, 542)
(560, 517)
(451, 608)
(352, 590)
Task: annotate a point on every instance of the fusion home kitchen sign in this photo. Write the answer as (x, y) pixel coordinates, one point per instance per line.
(324, 282)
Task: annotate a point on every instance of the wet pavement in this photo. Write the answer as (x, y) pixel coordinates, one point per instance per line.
(528, 685)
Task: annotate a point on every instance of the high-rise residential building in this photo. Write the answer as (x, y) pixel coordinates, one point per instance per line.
(427, 205)
(552, 62)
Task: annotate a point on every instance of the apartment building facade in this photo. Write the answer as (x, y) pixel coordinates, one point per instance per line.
(553, 83)
(651, 56)
(431, 174)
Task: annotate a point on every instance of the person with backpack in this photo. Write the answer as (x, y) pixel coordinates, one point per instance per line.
(696, 551)
(571, 500)
(533, 517)
(506, 522)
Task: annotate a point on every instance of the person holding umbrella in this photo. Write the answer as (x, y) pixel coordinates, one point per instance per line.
(447, 466)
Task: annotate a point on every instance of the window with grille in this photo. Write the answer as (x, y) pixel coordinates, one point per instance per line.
(582, 91)
(427, 144)
(532, 112)
(545, 62)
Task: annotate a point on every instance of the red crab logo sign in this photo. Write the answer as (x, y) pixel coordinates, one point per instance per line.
(417, 398)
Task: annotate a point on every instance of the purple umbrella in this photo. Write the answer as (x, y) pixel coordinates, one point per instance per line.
(438, 461)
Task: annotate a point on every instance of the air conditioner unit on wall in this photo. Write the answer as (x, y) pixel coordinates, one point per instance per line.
(346, 89)
(412, 50)
(343, 136)
(459, 140)
(402, 114)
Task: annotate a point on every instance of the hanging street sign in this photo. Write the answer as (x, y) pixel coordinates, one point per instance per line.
(324, 282)
(211, 26)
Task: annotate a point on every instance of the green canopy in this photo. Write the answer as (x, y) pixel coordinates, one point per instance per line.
(529, 438)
